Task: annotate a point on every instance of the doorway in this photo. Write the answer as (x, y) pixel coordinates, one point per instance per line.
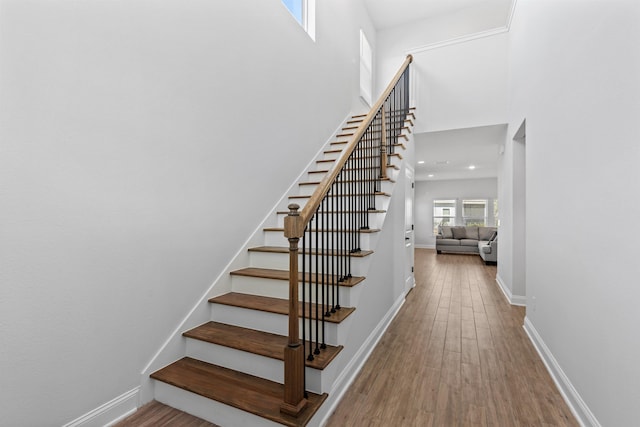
(409, 235)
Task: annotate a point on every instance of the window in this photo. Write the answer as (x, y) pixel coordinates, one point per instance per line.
(366, 69)
(495, 212)
(474, 212)
(444, 213)
(304, 12)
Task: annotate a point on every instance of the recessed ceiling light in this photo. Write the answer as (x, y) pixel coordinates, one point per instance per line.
(421, 162)
(430, 175)
(472, 167)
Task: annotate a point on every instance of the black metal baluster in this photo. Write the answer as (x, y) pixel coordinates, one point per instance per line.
(308, 279)
(304, 307)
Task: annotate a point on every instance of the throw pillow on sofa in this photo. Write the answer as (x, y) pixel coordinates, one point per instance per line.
(459, 232)
(472, 232)
(484, 233)
(445, 231)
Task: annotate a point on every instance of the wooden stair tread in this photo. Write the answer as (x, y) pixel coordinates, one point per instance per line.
(398, 145)
(274, 305)
(322, 230)
(350, 169)
(347, 211)
(387, 179)
(361, 157)
(246, 392)
(256, 342)
(377, 193)
(285, 250)
(339, 150)
(269, 273)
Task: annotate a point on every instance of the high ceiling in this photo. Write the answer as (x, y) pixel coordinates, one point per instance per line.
(389, 13)
(448, 154)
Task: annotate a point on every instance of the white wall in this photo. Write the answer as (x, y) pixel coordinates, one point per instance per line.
(428, 191)
(142, 143)
(460, 85)
(574, 76)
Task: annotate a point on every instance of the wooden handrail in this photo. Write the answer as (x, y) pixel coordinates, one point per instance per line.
(325, 185)
(295, 223)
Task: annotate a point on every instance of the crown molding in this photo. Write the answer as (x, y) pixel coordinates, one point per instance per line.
(469, 37)
(511, 13)
(457, 40)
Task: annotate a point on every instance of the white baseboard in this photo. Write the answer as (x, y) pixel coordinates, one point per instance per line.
(513, 299)
(354, 367)
(580, 410)
(110, 413)
(424, 246)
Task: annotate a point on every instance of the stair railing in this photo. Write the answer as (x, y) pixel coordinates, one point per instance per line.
(330, 226)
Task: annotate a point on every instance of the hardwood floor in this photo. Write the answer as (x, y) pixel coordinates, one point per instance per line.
(155, 414)
(456, 355)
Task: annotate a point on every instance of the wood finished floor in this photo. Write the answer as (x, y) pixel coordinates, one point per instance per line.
(155, 414)
(456, 355)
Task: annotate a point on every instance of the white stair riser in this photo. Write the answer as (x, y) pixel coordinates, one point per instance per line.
(328, 165)
(320, 165)
(368, 153)
(375, 220)
(381, 202)
(207, 409)
(249, 363)
(279, 288)
(276, 238)
(268, 322)
(307, 190)
(333, 155)
(315, 177)
(260, 366)
(359, 265)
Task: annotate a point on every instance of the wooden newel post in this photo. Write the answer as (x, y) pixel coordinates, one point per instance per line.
(294, 401)
(383, 147)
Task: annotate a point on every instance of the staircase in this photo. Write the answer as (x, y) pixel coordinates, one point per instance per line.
(233, 370)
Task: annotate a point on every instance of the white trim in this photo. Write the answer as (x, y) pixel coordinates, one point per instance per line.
(417, 246)
(512, 299)
(571, 396)
(468, 37)
(355, 365)
(511, 13)
(109, 413)
(458, 40)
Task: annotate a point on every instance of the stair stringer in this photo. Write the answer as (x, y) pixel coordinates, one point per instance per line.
(174, 346)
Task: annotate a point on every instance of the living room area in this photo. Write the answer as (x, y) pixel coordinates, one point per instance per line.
(457, 205)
